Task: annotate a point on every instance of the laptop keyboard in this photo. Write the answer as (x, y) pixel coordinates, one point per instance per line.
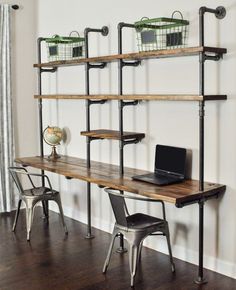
(159, 179)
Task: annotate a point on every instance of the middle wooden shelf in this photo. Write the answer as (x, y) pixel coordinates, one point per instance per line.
(113, 134)
(139, 97)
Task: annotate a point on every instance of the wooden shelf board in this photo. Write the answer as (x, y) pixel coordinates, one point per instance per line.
(149, 97)
(188, 51)
(112, 134)
(107, 175)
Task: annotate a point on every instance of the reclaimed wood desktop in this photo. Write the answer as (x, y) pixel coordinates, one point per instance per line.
(107, 175)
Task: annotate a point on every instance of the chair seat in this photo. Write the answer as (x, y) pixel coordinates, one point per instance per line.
(142, 221)
(38, 191)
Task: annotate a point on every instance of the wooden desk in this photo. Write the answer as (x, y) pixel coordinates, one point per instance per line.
(107, 175)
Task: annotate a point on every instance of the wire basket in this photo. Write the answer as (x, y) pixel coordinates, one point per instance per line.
(65, 47)
(161, 33)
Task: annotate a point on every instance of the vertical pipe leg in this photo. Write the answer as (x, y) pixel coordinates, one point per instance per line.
(200, 279)
(89, 230)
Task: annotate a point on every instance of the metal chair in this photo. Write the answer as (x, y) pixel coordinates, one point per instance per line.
(135, 228)
(34, 195)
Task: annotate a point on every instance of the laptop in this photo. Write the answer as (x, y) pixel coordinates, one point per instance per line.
(169, 166)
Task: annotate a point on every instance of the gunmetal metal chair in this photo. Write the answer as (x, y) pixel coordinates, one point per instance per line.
(34, 195)
(135, 228)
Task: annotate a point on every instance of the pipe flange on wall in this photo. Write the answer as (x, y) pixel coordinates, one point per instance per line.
(220, 12)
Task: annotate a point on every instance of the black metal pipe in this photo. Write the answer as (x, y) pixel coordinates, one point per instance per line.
(89, 230)
(121, 103)
(131, 63)
(205, 9)
(200, 279)
(202, 10)
(219, 12)
(201, 26)
(120, 92)
(40, 104)
(87, 92)
(201, 145)
(201, 121)
(40, 112)
(201, 238)
(104, 31)
(15, 7)
(123, 24)
(40, 39)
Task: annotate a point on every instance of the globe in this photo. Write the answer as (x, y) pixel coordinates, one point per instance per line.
(53, 136)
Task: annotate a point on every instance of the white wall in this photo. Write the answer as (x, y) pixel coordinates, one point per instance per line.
(174, 123)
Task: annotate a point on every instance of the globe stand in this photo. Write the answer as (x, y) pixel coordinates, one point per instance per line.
(54, 156)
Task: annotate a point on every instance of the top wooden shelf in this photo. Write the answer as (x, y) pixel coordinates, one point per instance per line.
(107, 175)
(188, 51)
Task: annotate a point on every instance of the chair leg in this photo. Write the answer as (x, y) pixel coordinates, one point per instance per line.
(16, 215)
(58, 201)
(114, 235)
(140, 251)
(167, 234)
(133, 258)
(29, 219)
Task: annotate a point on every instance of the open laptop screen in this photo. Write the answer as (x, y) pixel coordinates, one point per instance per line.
(170, 159)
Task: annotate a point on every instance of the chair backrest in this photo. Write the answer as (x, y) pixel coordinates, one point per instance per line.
(119, 207)
(15, 172)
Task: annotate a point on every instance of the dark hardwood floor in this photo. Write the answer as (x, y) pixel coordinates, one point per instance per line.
(52, 261)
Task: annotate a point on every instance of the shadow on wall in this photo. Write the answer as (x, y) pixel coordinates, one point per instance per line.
(66, 139)
(214, 205)
(181, 230)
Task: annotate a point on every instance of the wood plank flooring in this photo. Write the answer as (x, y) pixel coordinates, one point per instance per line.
(53, 262)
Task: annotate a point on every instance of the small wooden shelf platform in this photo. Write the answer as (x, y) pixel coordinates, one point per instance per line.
(112, 134)
(107, 175)
(188, 51)
(139, 97)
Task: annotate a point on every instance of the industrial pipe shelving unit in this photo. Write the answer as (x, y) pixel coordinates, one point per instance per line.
(133, 59)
